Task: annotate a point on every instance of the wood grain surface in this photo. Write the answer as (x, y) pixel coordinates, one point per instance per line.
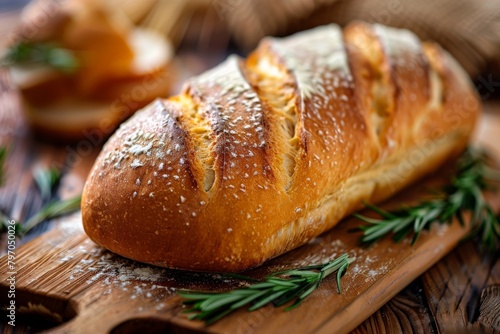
(75, 286)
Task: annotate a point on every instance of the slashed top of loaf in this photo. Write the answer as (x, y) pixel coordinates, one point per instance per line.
(252, 153)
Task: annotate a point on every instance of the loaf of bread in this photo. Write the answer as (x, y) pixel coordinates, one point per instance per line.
(259, 156)
(110, 68)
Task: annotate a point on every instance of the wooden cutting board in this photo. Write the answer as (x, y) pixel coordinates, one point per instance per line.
(66, 278)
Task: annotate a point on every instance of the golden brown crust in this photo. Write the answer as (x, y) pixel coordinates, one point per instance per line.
(259, 156)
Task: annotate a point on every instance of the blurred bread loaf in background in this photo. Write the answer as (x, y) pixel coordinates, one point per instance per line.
(85, 67)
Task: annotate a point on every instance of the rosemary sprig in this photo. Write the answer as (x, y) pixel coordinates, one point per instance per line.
(48, 54)
(464, 194)
(279, 289)
(46, 180)
(4, 224)
(53, 209)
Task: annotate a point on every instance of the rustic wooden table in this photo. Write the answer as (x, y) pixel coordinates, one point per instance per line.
(460, 293)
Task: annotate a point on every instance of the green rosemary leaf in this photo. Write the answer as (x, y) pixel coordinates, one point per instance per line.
(378, 231)
(287, 297)
(341, 272)
(301, 273)
(267, 300)
(281, 282)
(46, 180)
(369, 220)
(401, 234)
(52, 210)
(5, 223)
(309, 290)
(48, 54)
(293, 306)
(247, 300)
(278, 289)
(211, 304)
(378, 210)
(263, 285)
